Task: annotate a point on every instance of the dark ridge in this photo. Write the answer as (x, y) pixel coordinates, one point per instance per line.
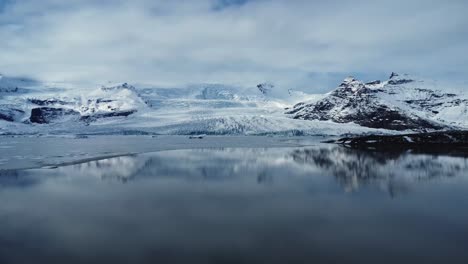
(101, 100)
(401, 81)
(394, 74)
(374, 82)
(6, 117)
(94, 117)
(47, 102)
(45, 115)
(448, 143)
(265, 88)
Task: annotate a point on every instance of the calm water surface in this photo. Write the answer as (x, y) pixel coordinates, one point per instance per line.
(323, 204)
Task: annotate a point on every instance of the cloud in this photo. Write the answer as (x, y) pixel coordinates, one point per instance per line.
(231, 41)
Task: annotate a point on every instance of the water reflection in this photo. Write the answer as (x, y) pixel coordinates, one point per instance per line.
(353, 169)
(391, 170)
(324, 204)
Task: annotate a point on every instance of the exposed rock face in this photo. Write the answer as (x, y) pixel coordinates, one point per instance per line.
(115, 101)
(397, 104)
(265, 88)
(112, 101)
(46, 115)
(446, 137)
(448, 142)
(47, 102)
(124, 86)
(91, 118)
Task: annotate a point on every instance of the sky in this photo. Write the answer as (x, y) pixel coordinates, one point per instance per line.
(300, 44)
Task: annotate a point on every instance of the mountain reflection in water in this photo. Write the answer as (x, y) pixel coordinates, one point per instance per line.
(393, 171)
(353, 169)
(322, 204)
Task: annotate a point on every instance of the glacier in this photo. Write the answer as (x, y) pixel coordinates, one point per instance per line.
(30, 107)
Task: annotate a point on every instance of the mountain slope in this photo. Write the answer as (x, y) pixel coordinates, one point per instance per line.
(400, 103)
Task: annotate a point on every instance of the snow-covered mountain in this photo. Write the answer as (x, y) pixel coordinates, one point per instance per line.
(47, 106)
(201, 108)
(399, 103)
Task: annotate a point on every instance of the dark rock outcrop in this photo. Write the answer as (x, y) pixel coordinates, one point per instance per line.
(47, 102)
(94, 117)
(124, 86)
(374, 82)
(400, 81)
(447, 142)
(265, 88)
(45, 115)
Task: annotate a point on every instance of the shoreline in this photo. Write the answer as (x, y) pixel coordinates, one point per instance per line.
(452, 143)
(53, 152)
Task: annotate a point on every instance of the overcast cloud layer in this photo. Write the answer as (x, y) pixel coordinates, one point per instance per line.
(292, 43)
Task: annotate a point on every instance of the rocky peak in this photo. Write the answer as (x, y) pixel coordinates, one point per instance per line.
(376, 82)
(349, 79)
(393, 75)
(396, 79)
(350, 85)
(124, 86)
(265, 88)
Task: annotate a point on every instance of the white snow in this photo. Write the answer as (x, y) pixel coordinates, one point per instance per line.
(203, 108)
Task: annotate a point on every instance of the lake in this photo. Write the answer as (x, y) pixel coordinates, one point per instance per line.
(316, 204)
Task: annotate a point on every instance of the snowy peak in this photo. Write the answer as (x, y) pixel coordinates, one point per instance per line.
(350, 80)
(354, 85)
(111, 101)
(350, 84)
(42, 106)
(400, 103)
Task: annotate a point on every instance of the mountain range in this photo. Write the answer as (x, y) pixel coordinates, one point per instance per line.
(401, 103)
